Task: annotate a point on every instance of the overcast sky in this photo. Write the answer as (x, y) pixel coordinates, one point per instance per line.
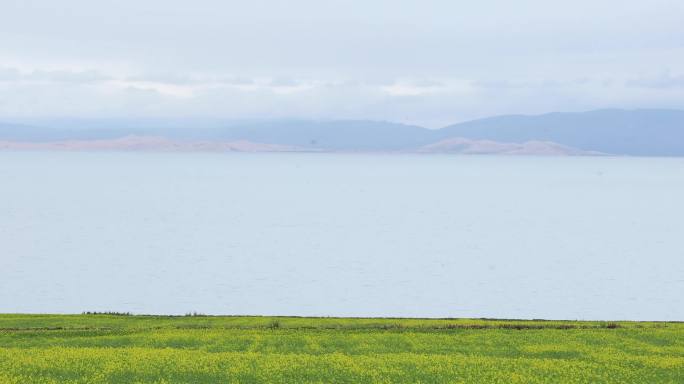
(425, 62)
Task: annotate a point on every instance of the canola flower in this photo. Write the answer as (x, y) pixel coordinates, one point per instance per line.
(197, 349)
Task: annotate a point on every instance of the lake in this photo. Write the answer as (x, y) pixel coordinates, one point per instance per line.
(342, 235)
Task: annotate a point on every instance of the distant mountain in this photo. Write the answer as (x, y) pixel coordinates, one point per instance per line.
(49, 132)
(150, 143)
(346, 135)
(145, 143)
(637, 132)
(618, 132)
(487, 147)
(355, 135)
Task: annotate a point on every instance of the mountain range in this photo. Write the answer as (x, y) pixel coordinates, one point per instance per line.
(644, 132)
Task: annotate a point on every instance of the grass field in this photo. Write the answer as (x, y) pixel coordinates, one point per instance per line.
(199, 349)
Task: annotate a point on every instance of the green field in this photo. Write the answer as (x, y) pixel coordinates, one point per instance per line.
(204, 349)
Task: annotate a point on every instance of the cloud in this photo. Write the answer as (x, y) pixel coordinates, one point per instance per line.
(284, 81)
(234, 80)
(52, 76)
(663, 81)
(433, 63)
(165, 78)
(9, 74)
(426, 83)
(90, 76)
(531, 84)
(433, 103)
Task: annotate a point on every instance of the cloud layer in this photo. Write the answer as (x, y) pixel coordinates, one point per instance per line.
(431, 63)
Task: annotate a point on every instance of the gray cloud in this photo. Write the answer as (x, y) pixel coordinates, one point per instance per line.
(284, 81)
(57, 76)
(9, 74)
(168, 78)
(435, 61)
(89, 76)
(662, 81)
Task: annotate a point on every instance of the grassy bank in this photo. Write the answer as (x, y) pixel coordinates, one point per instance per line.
(202, 349)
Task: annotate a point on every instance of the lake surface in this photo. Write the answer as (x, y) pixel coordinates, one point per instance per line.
(343, 235)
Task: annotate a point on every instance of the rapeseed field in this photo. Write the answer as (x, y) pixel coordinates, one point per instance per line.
(100, 348)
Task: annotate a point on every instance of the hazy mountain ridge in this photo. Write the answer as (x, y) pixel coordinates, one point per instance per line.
(146, 143)
(619, 132)
(646, 132)
(483, 147)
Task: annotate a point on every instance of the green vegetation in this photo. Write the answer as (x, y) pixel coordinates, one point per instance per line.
(120, 348)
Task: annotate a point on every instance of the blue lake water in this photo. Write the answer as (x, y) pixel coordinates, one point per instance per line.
(343, 235)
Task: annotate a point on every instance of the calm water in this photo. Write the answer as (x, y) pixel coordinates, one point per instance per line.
(348, 235)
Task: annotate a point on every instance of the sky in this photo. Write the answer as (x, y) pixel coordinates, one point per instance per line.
(429, 62)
